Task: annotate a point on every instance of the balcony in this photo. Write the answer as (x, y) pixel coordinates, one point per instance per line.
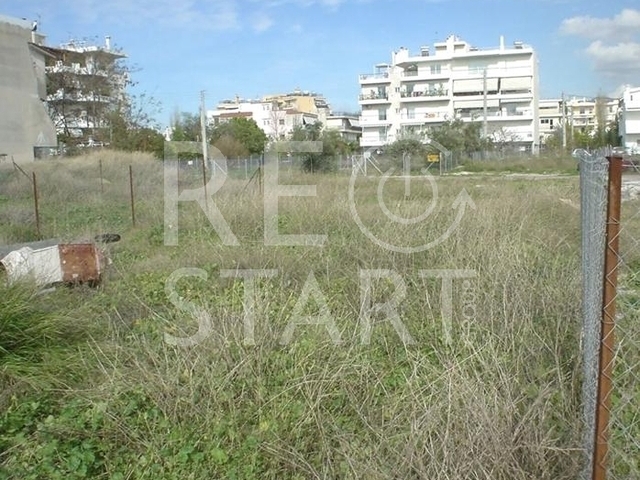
(422, 118)
(374, 122)
(379, 77)
(425, 74)
(374, 97)
(76, 70)
(425, 95)
(61, 96)
(496, 115)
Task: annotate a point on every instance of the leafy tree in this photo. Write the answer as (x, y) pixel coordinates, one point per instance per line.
(185, 127)
(408, 145)
(132, 126)
(230, 147)
(554, 141)
(332, 143)
(244, 131)
(459, 136)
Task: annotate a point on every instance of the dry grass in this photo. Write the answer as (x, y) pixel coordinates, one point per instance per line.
(500, 400)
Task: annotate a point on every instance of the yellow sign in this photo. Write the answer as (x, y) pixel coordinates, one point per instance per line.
(433, 157)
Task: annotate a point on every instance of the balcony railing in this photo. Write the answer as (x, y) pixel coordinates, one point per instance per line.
(433, 116)
(78, 97)
(427, 73)
(374, 76)
(494, 115)
(77, 70)
(374, 96)
(425, 93)
(371, 121)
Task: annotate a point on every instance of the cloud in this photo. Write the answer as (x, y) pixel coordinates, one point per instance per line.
(624, 25)
(614, 43)
(620, 58)
(262, 22)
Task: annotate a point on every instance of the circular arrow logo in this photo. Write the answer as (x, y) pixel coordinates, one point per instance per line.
(460, 205)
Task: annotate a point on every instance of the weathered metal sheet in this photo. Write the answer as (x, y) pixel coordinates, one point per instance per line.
(80, 262)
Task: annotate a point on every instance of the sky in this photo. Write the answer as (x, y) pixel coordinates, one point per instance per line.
(251, 48)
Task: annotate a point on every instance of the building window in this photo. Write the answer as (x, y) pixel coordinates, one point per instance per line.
(436, 69)
(382, 114)
(281, 121)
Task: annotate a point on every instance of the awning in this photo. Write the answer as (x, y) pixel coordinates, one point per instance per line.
(515, 83)
(474, 85)
(491, 103)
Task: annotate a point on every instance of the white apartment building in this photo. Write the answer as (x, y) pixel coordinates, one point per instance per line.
(84, 82)
(550, 115)
(630, 120)
(347, 125)
(455, 80)
(277, 123)
(585, 113)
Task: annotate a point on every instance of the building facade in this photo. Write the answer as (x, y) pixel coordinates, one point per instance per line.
(551, 117)
(84, 84)
(581, 114)
(496, 86)
(347, 125)
(302, 101)
(589, 114)
(630, 120)
(26, 131)
(276, 120)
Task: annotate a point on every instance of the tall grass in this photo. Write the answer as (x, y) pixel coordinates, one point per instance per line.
(543, 163)
(492, 395)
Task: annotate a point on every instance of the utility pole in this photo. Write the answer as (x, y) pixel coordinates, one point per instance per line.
(564, 122)
(203, 127)
(484, 102)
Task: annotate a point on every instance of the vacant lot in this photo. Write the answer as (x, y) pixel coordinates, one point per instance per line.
(482, 383)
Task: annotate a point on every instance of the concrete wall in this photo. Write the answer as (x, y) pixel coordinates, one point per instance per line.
(24, 122)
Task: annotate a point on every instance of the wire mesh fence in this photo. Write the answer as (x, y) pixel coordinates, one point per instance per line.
(624, 439)
(593, 200)
(610, 212)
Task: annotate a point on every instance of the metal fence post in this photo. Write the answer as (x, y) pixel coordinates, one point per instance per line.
(35, 201)
(610, 286)
(133, 206)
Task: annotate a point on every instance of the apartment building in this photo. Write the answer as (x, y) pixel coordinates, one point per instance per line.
(497, 86)
(302, 101)
(587, 114)
(550, 115)
(84, 82)
(276, 120)
(347, 125)
(630, 120)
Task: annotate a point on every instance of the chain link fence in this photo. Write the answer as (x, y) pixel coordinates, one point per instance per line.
(610, 211)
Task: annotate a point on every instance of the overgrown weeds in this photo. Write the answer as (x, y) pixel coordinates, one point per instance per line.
(488, 388)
